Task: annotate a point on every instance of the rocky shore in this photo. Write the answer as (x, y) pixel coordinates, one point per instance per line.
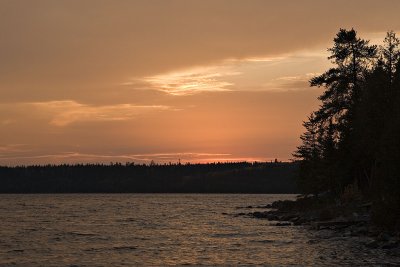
(329, 219)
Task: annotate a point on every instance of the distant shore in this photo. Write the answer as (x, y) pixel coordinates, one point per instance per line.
(238, 177)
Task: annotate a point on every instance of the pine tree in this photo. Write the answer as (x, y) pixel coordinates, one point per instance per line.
(310, 148)
(356, 131)
(369, 123)
(386, 183)
(352, 57)
(390, 54)
(309, 154)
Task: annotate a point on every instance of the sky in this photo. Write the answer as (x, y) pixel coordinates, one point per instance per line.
(95, 81)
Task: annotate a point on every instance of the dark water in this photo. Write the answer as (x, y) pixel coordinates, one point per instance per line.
(158, 229)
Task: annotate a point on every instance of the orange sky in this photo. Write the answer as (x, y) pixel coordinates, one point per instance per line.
(199, 80)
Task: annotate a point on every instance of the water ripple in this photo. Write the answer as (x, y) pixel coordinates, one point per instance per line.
(160, 229)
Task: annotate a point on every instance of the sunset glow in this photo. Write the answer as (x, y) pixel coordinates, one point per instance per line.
(83, 82)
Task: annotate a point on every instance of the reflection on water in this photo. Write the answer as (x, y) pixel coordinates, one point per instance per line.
(154, 229)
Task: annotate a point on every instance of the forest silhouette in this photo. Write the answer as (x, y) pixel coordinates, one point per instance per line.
(351, 144)
(235, 177)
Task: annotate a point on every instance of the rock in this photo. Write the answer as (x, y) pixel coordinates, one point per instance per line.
(283, 224)
(390, 245)
(288, 217)
(383, 237)
(299, 221)
(326, 234)
(372, 244)
(264, 207)
(260, 215)
(325, 215)
(347, 234)
(247, 207)
(394, 252)
(360, 230)
(334, 225)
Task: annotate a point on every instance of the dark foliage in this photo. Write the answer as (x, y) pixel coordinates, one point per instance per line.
(353, 140)
(242, 177)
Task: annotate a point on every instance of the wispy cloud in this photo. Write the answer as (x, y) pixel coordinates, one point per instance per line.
(291, 82)
(67, 111)
(251, 73)
(304, 77)
(192, 81)
(260, 59)
(6, 122)
(214, 78)
(13, 148)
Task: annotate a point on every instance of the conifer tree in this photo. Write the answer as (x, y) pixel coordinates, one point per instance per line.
(309, 154)
(353, 57)
(390, 54)
(357, 129)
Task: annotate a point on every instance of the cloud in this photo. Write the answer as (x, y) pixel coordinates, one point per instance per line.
(194, 80)
(237, 75)
(299, 82)
(6, 122)
(13, 148)
(52, 48)
(261, 59)
(66, 112)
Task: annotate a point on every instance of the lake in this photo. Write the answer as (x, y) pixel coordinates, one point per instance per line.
(158, 229)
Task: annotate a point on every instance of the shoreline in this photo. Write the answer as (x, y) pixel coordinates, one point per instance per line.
(330, 220)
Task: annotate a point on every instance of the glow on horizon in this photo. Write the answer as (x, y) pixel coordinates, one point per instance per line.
(147, 80)
(159, 158)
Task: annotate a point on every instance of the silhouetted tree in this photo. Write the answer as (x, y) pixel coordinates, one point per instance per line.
(309, 153)
(390, 54)
(310, 148)
(352, 57)
(386, 182)
(357, 125)
(369, 124)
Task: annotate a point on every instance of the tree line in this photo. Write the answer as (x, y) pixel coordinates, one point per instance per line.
(351, 144)
(237, 177)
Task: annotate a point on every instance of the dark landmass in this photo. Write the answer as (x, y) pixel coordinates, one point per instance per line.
(241, 177)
